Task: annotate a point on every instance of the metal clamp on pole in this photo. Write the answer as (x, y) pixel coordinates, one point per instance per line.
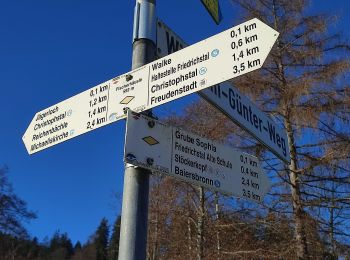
(145, 20)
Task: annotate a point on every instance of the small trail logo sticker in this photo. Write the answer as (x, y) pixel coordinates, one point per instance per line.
(217, 183)
(215, 52)
(202, 70)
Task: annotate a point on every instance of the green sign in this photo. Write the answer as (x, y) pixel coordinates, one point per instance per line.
(214, 9)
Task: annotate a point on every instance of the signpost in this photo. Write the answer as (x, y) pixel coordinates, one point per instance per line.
(192, 158)
(213, 8)
(134, 213)
(229, 54)
(232, 103)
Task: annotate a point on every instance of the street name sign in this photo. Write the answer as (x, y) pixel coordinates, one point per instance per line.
(247, 115)
(191, 158)
(231, 102)
(213, 9)
(168, 41)
(227, 55)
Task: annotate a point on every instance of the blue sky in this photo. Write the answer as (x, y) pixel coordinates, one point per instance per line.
(52, 50)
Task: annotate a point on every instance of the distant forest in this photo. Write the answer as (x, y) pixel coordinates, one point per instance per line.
(16, 244)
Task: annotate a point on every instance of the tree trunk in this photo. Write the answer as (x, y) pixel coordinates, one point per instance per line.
(298, 211)
(299, 215)
(189, 237)
(155, 244)
(332, 218)
(218, 245)
(200, 224)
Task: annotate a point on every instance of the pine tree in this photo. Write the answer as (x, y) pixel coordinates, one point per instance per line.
(60, 246)
(101, 240)
(113, 248)
(77, 246)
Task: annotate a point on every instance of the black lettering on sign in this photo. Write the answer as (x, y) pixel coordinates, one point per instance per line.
(251, 39)
(251, 51)
(249, 27)
(276, 138)
(253, 63)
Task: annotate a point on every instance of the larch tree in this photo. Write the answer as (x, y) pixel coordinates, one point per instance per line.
(301, 84)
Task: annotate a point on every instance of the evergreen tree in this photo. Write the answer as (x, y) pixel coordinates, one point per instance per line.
(101, 240)
(77, 246)
(84, 252)
(60, 246)
(113, 248)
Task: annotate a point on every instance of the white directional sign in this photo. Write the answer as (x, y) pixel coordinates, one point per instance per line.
(231, 102)
(226, 55)
(91, 109)
(191, 158)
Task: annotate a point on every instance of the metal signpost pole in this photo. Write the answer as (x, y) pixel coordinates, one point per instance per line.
(133, 233)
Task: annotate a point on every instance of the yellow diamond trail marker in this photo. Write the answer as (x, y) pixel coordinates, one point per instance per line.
(193, 159)
(227, 55)
(127, 100)
(150, 140)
